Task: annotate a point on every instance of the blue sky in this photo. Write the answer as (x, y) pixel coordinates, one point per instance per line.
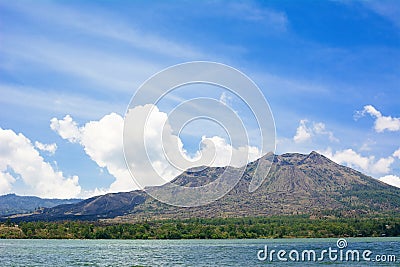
(330, 71)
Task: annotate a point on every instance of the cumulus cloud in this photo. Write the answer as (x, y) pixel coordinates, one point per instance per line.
(382, 165)
(50, 148)
(352, 159)
(166, 152)
(18, 157)
(307, 130)
(382, 122)
(228, 155)
(391, 179)
(103, 142)
(303, 133)
(66, 128)
(6, 182)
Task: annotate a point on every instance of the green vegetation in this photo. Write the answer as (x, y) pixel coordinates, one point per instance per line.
(218, 228)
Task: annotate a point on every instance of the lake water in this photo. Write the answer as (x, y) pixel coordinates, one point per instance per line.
(196, 252)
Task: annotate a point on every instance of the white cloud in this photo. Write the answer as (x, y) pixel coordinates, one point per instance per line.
(382, 165)
(319, 128)
(391, 179)
(305, 131)
(66, 128)
(103, 142)
(6, 182)
(19, 157)
(397, 153)
(51, 148)
(91, 193)
(382, 123)
(226, 153)
(165, 150)
(352, 159)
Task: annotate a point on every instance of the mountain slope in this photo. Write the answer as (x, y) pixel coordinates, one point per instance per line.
(296, 184)
(12, 204)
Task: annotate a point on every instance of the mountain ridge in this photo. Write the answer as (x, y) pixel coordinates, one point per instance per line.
(296, 184)
(13, 204)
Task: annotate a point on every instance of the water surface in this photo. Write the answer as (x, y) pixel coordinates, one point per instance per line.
(183, 252)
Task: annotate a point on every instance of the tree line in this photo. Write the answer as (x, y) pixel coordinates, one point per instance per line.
(201, 228)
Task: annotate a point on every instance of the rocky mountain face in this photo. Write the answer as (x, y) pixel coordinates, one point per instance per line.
(296, 184)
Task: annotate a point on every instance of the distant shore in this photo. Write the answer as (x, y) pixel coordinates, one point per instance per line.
(216, 228)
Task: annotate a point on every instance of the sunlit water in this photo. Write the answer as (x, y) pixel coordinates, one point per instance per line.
(184, 252)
